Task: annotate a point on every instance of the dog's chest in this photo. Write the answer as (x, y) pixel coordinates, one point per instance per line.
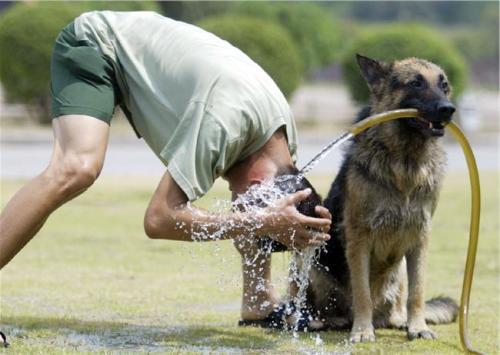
(400, 212)
(414, 179)
(397, 226)
(403, 185)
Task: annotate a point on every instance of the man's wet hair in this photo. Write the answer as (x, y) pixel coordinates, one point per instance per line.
(290, 181)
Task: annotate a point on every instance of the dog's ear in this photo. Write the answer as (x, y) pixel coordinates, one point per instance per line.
(372, 70)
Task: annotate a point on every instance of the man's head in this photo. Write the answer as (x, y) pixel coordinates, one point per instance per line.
(272, 162)
(262, 165)
(266, 176)
(290, 181)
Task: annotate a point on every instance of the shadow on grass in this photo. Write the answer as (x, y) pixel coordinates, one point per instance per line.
(113, 336)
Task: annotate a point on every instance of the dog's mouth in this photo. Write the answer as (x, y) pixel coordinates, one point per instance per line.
(429, 128)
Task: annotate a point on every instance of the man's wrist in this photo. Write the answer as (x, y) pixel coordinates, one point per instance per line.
(266, 225)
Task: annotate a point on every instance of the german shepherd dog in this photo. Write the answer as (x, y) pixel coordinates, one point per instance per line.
(371, 273)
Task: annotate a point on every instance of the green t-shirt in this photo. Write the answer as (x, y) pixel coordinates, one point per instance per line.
(200, 103)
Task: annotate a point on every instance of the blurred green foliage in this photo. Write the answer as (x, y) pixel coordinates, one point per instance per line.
(437, 12)
(194, 11)
(27, 34)
(478, 42)
(398, 41)
(268, 44)
(316, 33)
(117, 5)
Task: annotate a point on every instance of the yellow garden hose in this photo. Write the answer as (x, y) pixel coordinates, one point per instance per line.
(475, 208)
(473, 236)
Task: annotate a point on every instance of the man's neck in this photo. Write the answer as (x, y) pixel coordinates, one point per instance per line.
(262, 165)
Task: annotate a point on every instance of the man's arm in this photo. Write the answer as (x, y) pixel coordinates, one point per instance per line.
(169, 216)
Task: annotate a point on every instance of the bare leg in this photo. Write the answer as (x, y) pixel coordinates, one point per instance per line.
(259, 296)
(79, 150)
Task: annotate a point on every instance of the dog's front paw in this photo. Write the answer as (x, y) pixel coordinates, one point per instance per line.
(364, 335)
(397, 321)
(424, 333)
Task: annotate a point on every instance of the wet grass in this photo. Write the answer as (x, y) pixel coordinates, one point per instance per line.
(91, 281)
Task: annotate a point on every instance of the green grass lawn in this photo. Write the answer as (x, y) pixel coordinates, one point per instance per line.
(92, 281)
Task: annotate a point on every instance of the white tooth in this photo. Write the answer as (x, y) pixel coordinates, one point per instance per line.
(430, 125)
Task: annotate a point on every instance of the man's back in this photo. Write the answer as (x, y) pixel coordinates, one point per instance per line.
(179, 81)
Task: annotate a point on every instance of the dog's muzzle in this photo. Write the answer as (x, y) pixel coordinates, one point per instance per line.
(445, 110)
(432, 123)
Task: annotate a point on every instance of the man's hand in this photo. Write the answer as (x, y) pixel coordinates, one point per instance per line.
(288, 226)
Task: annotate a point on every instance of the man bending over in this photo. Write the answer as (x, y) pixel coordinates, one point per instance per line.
(203, 107)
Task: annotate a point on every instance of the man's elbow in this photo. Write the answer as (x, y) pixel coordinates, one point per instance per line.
(151, 228)
(158, 225)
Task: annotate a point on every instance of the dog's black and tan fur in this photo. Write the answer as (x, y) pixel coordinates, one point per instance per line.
(382, 202)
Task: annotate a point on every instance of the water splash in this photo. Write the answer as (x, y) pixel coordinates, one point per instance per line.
(324, 152)
(300, 268)
(254, 202)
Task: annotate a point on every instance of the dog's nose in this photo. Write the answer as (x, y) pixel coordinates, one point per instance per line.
(445, 109)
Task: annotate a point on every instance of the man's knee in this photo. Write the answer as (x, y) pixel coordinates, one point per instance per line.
(72, 175)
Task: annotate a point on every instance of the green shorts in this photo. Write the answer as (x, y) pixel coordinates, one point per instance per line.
(83, 80)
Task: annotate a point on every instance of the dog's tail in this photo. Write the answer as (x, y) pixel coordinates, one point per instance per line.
(441, 309)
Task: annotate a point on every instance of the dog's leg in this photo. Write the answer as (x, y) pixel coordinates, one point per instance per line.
(358, 258)
(415, 259)
(398, 316)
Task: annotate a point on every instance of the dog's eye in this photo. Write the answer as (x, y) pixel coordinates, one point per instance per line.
(416, 84)
(445, 86)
